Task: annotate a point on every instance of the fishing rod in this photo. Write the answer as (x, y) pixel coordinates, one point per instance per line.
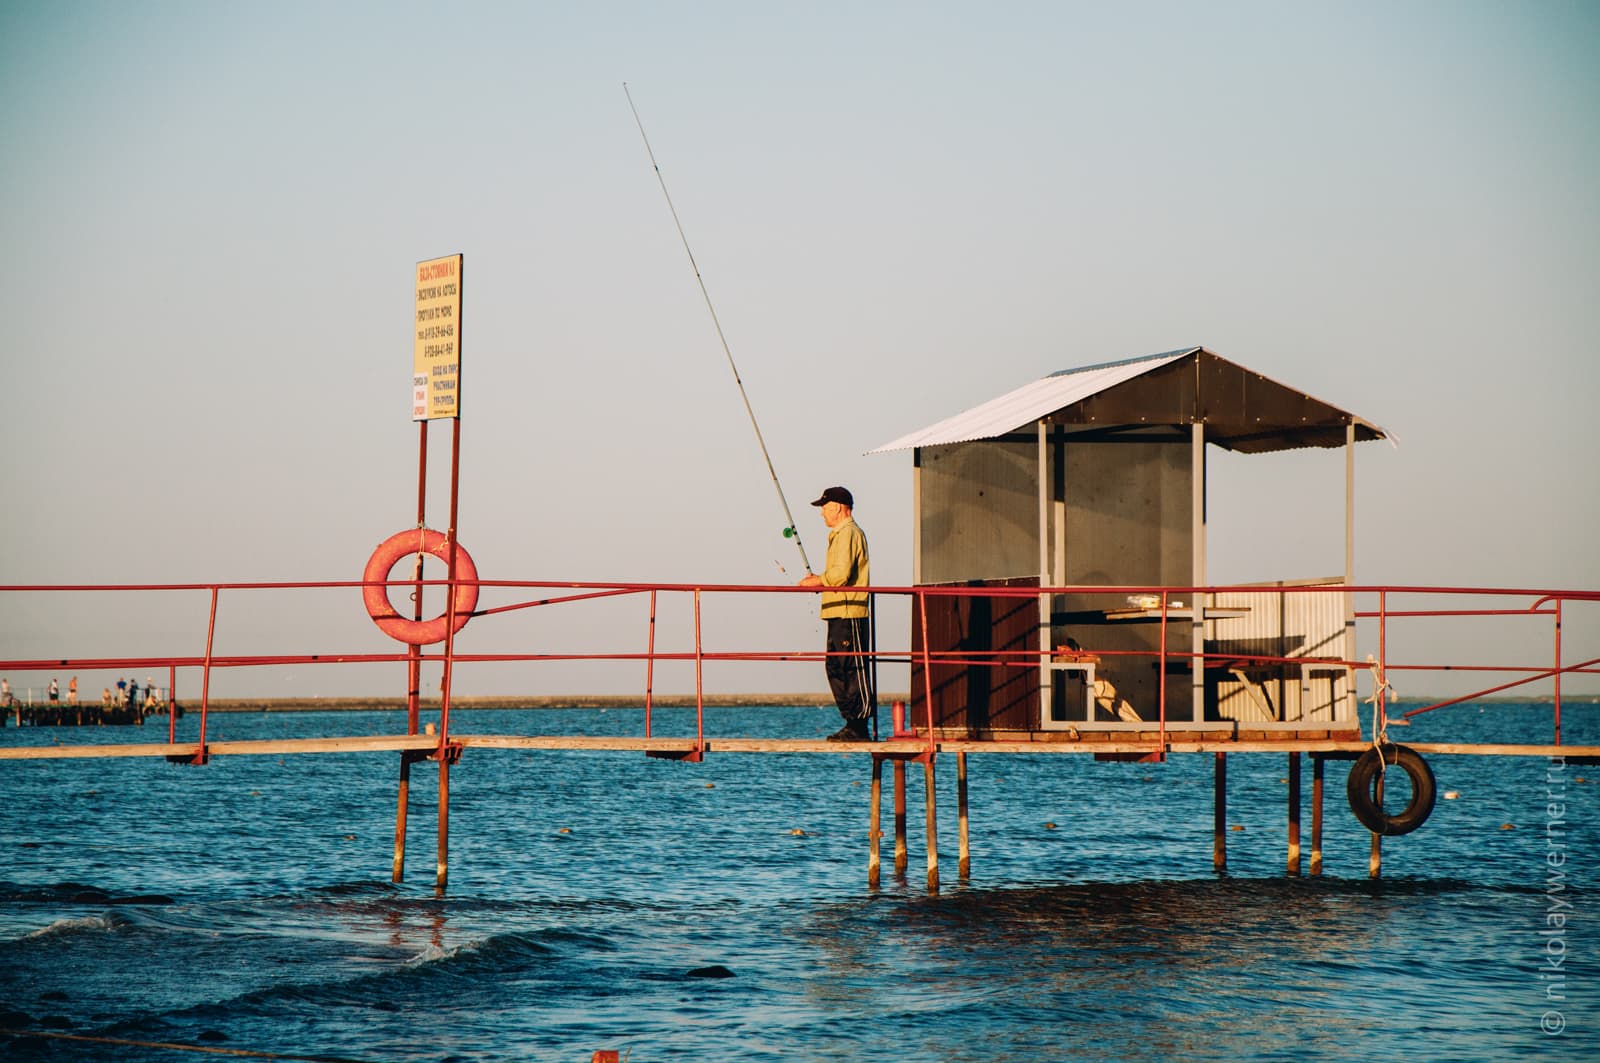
(789, 531)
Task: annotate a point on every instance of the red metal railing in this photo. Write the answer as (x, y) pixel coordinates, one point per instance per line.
(1465, 605)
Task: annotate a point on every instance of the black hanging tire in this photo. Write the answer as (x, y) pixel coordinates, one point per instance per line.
(1361, 787)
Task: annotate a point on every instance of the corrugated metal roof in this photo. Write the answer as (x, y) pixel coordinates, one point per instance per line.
(1242, 410)
(1030, 402)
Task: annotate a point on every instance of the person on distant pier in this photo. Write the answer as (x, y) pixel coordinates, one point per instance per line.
(72, 691)
(5, 693)
(54, 692)
(845, 612)
(105, 697)
(133, 693)
(122, 691)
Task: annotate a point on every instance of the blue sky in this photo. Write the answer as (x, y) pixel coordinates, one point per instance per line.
(211, 212)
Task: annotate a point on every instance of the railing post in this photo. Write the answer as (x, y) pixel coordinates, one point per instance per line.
(927, 663)
(205, 675)
(1558, 671)
(699, 684)
(1379, 695)
(172, 703)
(1161, 673)
(650, 664)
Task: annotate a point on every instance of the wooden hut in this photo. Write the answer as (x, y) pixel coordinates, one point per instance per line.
(1095, 478)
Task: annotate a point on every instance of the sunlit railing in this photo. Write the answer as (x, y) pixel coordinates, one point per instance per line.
(1203, 617)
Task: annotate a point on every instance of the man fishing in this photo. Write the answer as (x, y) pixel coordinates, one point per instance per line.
(845, 612)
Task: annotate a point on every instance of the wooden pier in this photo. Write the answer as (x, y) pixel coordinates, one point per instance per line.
(913, 747)
(899, 752)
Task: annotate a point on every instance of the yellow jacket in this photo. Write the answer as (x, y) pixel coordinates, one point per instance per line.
(846, 566)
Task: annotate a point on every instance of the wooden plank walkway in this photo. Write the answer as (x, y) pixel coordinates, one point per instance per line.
(423, 743)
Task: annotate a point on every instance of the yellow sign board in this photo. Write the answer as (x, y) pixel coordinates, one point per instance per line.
(436, 361)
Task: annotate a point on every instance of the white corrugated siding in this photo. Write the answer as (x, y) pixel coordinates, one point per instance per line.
(1284, 622)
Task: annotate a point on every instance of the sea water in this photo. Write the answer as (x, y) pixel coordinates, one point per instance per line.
(721, 910)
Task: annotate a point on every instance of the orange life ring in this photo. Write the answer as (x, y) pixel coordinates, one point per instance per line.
(376, 595)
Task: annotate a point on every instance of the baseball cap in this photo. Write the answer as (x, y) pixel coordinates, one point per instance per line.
(835, 494)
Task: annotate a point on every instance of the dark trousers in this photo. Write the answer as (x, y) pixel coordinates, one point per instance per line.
(848, 676)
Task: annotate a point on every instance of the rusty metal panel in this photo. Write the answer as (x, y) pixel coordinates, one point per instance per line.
(993, 685)
(980, 511)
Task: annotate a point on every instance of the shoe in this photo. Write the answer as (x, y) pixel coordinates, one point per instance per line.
(852, 731)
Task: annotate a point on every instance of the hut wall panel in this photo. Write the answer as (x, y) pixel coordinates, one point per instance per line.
(1128, 525)
(1127, 513)
(998, 690)
(980, 506)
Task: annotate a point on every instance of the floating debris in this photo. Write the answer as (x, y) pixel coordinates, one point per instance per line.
(716, 970)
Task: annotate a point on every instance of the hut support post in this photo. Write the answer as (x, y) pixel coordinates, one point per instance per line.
(1046, 579)
(413, 667)
(932, 802)
(1293, 798)
(1219, 815)
(443, 874)
(1294, 813)
(1197, 532)
(901, 857)
(1348, 710)
(1316, 815)
(964, 862)
(399, 872)
(874, 823)
(1375, 861)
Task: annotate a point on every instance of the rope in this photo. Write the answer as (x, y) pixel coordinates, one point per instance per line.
(176, 1047)
(1380, 717)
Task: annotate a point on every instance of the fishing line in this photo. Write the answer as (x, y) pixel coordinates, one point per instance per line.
(789, 531)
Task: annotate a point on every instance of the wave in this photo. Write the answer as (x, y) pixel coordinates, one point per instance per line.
(74, 893)
(80, 924)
